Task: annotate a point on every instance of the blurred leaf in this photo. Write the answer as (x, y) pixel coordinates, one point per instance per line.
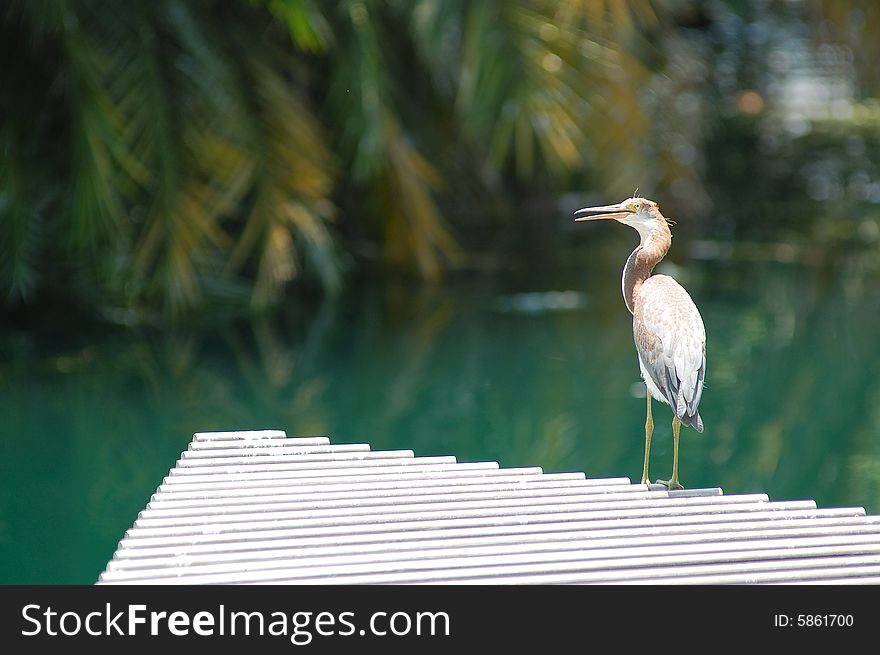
(192, 151)
(415, 231)
(309, 30)
(21, 226)
(293, 178)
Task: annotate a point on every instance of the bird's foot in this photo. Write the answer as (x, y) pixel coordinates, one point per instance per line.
(671, 485)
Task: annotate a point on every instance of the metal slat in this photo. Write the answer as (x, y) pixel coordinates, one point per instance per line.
(498, 502)
(395, 513)
(458, 476)
(792, 569)
(191, 457)
(745, 567)
(258, 506)
(250, 436)
(583, 542)
(780, 571)
(645, 564)
(517, 534)
(213, 468)
(648, 516)
(460, 481)
(408, 537)
(158, 508)
(858, 575)
(313, 495)
(255, 444)
(417, 465)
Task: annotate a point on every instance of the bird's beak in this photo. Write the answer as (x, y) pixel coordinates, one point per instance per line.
(599, 213)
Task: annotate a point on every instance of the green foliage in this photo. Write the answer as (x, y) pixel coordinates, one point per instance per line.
(159, 156)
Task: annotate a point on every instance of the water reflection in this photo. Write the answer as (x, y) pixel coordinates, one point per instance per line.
(791, 404)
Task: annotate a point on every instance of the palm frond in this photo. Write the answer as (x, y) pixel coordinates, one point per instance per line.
(288, 221)
(184, 148)
(21, 225)
(415, 233)
(308, 27)
(96, 208)
(385, 160)
(540, 83)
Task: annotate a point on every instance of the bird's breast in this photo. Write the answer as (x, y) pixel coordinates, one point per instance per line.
(666, 307)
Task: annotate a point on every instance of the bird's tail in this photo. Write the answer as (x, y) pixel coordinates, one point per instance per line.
(693, 421)
(687, 412)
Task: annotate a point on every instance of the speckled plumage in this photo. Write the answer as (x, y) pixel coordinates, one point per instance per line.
(671, 342)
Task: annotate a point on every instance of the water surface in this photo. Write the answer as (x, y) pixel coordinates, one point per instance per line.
(536, 367)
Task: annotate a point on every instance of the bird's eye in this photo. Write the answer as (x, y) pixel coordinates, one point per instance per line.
(637, 206)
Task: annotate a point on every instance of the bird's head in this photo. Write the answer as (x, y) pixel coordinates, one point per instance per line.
(639, 213)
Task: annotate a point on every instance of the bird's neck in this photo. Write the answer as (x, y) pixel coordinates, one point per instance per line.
(642, 261)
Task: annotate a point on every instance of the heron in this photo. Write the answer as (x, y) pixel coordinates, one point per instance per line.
(668, 330)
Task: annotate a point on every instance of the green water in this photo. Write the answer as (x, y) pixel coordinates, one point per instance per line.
(490, 367)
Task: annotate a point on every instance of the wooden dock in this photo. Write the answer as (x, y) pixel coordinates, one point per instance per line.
(259, 507)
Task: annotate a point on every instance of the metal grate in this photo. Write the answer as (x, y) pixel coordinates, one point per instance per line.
(259, 507)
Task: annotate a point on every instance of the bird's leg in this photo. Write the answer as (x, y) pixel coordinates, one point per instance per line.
(649, 430)
(673, 483)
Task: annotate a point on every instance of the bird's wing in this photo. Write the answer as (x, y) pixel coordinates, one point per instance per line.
(671, 342)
